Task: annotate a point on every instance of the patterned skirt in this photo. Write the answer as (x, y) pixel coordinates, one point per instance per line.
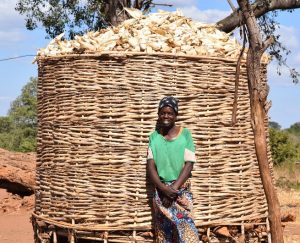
(174, 224)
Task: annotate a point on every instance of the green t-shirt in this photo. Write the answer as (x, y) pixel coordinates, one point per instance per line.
(171, 155)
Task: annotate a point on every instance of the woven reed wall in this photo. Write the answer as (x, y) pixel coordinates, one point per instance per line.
(95, 113)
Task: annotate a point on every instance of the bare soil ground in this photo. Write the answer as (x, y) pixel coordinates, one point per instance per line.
(16, 199)
(290, 203)
(16, 228)
(15, 212)
(15, 209)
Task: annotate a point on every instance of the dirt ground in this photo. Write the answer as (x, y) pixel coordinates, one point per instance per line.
(16, 228)
(17, 177)
(290, 202)
(15, 225)
(15, 213)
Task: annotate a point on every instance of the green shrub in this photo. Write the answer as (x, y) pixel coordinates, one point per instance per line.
(282, 148)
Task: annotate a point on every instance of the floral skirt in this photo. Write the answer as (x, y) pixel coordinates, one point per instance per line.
(174, 224)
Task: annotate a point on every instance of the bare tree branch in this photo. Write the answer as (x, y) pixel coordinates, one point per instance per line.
(231, 5)
(267, 43)
(162, 4)
(260, 7)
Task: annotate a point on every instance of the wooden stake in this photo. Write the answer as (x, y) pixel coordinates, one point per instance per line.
(72, 238)
(208, 234)
(54, 237)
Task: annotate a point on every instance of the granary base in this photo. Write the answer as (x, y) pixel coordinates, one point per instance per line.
(254, 232)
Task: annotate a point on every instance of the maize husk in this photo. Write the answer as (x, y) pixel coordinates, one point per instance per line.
(158, 32)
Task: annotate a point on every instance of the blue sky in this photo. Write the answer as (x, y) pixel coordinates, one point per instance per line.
(15, 40)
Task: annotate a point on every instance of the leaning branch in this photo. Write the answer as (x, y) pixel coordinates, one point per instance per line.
(231, 5)
(260, 7)
(267, 43)
(162, 4)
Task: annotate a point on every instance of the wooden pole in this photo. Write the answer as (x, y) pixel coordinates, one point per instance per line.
(257, 102)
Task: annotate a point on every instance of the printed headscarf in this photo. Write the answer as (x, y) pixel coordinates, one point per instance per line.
(169, 101)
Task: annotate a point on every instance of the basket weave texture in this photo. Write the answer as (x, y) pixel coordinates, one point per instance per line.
(95, 114)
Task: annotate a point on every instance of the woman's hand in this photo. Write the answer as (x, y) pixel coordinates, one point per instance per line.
(167, 196)
(152, 172)
(169, 192)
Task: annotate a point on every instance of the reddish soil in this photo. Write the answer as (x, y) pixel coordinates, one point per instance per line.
(24, 161)
(15, 213)
(16, 196)
(292, 232)
(16, 228)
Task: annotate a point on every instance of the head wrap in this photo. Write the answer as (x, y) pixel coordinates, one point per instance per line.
(169, 101)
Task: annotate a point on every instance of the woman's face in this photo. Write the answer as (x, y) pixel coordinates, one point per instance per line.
(167, 117)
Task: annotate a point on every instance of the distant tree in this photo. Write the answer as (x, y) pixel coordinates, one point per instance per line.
(295, 128)
(282, 149)
(18, 129)
(23, 109)
(76, 17)
(5, 124)
(294, 134)
(5, 129)
(274, 125)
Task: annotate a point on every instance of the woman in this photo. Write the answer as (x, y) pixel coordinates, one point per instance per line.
(171, 155)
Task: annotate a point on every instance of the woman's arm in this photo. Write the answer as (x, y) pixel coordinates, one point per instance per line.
(183, 176)
(152, 172)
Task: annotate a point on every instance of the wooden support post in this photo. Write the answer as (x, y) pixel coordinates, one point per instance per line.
(257, 101)
(208, 234)
(71, 233)
(243, 229)
(54, 237)
(268, 230)
(105, 240)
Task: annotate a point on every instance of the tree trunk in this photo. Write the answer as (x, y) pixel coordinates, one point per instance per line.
(114, 11)
(257, 119)
(257, 102)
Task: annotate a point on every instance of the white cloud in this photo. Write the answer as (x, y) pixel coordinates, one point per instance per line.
(9, 17)
(11, 23)
(206, 16)
(189, 8)
(288, 36)
(279, 80)
(282, 80)
(297, 58)
(5, 98)
(11, 36)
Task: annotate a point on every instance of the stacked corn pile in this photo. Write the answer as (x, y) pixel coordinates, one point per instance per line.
(157, 32)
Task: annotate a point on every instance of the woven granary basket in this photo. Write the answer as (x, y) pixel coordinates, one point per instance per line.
(95, 114)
